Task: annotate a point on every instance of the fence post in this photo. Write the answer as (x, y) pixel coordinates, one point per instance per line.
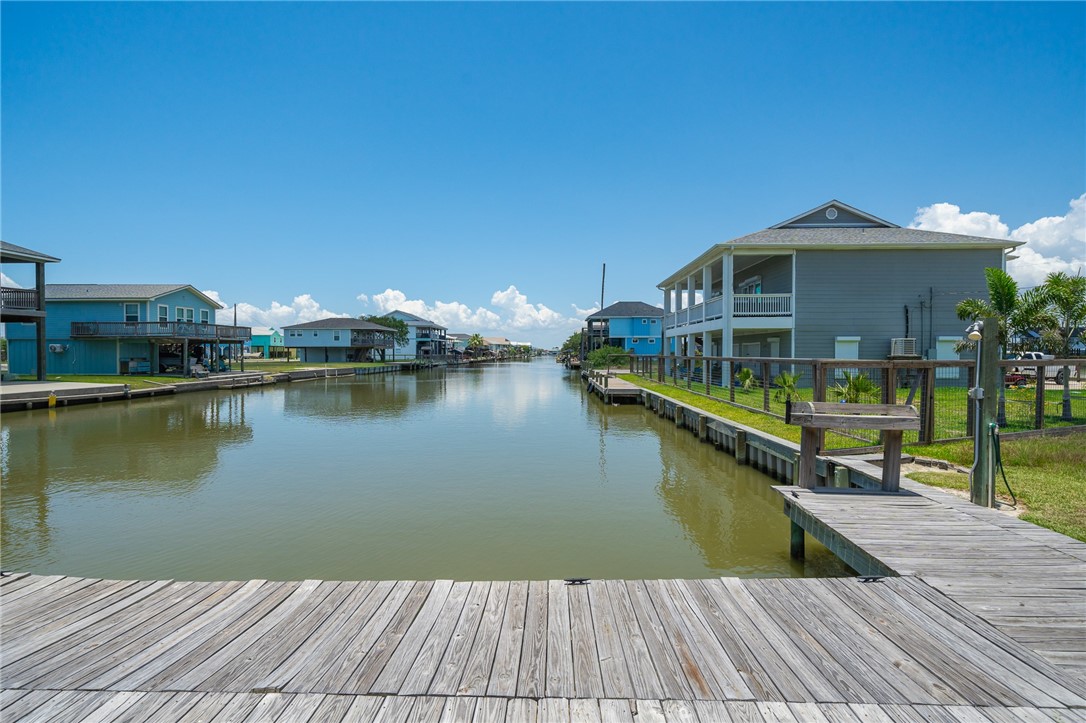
(705, 367)
(765, 386)
(731, 381)
(1039, 401)
(928, 422)
(818, 371)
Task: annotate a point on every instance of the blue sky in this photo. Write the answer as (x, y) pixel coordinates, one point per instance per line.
(478, 162)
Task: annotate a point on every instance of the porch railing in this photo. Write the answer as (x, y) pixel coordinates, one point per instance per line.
(13, 298)
(762, 305)
(159, 330)
(742, 305)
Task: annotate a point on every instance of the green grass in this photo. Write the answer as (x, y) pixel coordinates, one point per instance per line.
(273, 366)
(134, 382)
(1047, 474)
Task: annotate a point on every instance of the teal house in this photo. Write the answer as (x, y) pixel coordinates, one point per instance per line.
(125, 329)
(634, 326)
(266, 342)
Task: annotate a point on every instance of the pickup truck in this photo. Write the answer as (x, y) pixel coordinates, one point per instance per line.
(1051, 372)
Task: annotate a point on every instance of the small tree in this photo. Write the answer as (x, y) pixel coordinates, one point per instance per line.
(745, 377)
(786, 386)
(476, 344)
(857, 385)
(398, 327)
(608, 356)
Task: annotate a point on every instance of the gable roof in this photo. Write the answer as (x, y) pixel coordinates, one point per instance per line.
(263, 331)
(413, 320)
(340, 322)
(855, 230)
(11, 253)
(834, 214)
(628, 309)
(119, 292)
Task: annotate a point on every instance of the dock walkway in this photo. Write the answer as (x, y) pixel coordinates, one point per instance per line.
(1027, 581)
(894, 649)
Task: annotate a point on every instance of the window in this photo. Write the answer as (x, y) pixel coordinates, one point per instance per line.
(183, 313)
(652, 341)
(845, 347)
(163, 313)
(131, 312)
(753, 285)
(653, 321)
(205, 316)
(335, 335)
(644, 321)
(636, 340)
(944, 349)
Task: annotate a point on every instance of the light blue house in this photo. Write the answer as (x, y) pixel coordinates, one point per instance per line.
(266, 342)
(343, 339)
(125, 329)
(631, 325)
(425, 338)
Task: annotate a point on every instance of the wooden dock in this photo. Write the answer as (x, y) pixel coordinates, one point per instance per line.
(1026, 581)
(895, 649)
(610, 388)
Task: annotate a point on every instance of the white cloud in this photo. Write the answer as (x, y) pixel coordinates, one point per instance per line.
(1052, 243)
(5, 280)
(363, 298)
(511, 315)
(304, 308)
(582, 313)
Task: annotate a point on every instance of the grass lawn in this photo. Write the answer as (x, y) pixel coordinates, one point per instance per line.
(274, 366)
(134, 382)
(1048, 474)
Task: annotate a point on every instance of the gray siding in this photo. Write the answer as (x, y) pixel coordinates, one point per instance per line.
(864, 293)
(776, 273)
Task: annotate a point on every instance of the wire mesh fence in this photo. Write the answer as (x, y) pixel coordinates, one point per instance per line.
(1032, 397)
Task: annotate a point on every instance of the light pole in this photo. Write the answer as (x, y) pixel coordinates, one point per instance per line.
(982, 477)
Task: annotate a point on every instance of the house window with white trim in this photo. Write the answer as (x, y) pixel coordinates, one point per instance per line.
(205, 316)
(335, 335)
(845, 347)
(131, 312)
(163, 313)
(753, 285)
(184, 313)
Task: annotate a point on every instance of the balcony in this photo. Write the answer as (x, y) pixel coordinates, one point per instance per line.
(20, 299)
(372, 339)
(744, 306)
(158, 330)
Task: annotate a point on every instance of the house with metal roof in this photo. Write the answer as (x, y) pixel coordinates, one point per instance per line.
(127, 329)
(266, 343)
(631, 325)
(26, 306)
(832, 282)
(425, 338)
(339, 339)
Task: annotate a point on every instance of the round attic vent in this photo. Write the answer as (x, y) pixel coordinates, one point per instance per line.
(831, 213)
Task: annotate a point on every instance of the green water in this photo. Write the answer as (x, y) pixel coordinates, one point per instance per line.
(502, 472)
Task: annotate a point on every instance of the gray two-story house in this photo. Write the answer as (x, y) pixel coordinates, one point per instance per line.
(833, 282)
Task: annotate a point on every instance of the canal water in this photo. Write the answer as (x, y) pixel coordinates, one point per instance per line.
(509, 471)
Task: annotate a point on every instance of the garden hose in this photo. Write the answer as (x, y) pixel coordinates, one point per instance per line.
(993, 431)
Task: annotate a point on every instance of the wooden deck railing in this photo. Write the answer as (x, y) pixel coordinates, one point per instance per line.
(159, 330)
(13, 298)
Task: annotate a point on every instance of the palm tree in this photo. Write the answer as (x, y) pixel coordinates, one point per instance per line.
(1065, 298)
(475, 343)
(857, 385)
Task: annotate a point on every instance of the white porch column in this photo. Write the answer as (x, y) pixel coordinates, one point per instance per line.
(728, 283)
(691, 299)
(667, 301)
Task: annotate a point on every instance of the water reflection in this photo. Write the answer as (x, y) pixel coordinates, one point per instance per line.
(509, 471)
(157, 447)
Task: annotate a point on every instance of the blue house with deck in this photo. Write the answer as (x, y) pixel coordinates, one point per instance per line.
(125, 329)
(631, 325)
(339, 339)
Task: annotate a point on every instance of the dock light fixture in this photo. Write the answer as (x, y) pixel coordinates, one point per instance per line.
(975, 331)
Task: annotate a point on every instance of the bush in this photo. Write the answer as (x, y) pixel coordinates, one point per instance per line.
(608, 356)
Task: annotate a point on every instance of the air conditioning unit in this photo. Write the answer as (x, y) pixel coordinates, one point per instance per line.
(58, 348)
(903, 347)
